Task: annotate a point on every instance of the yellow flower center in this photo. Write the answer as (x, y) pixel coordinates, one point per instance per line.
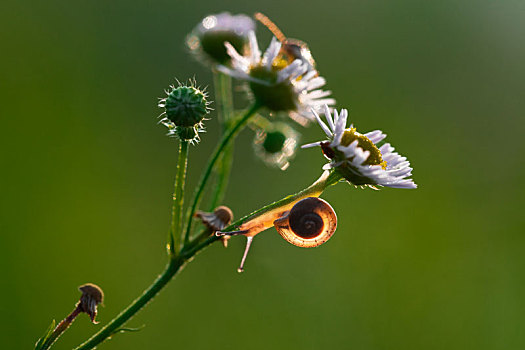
(276, 97)
(350, 135)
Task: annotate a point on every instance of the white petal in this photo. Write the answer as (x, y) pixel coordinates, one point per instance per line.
(233, 73)
(236, 57)
(288, 71)
(271, 53)
(322, 124)
(319, 93)
(254, 48)
(402, 184)
(375, 136)
(308, 76)
(316, 83)
(386, 148)
(328, 117)
(310, 145)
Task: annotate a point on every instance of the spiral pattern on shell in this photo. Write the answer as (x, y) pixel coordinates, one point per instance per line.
(310, 223)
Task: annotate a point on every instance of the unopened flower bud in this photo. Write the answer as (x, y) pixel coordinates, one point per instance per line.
(185, 109)
(276, 144)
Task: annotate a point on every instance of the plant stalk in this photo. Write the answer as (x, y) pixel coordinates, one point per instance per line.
(190, 250)
(224, 100)
(226, 138)
(61, 328)
(112, 327)
(327, 179)
(174, 243)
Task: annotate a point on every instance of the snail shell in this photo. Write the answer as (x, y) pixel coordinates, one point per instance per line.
(310, 223)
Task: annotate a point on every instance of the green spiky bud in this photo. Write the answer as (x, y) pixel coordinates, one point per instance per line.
(185, 109)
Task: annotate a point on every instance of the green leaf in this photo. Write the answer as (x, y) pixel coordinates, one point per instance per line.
(124, 330)
(40, 343)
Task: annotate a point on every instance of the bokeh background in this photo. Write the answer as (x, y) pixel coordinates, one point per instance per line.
(87, 176)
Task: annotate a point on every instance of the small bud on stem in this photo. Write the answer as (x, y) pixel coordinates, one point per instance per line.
(216, 221)
(91, 296)
(185, 109)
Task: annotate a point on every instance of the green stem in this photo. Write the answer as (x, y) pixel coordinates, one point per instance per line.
(188, 252)
(108, 330)
(178, 200)
(60, 328)
(325, 180)
(223, 174)
(230, 133)
(224, 100)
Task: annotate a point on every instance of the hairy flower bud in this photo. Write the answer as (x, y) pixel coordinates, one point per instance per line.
(276, 144)
(184, 110)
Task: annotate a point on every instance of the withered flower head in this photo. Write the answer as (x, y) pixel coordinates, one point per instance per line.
(92, 295)
(219, 219)
(216, 221)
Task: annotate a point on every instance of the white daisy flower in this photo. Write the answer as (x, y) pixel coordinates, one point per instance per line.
(277, 84)
(357, 158)
(207, 40)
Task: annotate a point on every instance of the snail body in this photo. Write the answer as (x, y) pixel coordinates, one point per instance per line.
(306, 223)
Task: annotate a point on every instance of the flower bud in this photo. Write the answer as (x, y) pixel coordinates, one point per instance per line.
(276, 144)
(185, 109)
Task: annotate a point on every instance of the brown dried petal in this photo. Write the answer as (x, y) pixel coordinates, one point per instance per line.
(219, 219)
(92, 295)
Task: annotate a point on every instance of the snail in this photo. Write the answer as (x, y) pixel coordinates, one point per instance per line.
(310, 223)
(307, 223)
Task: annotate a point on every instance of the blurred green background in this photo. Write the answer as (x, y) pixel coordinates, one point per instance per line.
(87, 176)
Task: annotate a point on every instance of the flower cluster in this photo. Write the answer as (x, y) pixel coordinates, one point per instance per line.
(284, 80)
